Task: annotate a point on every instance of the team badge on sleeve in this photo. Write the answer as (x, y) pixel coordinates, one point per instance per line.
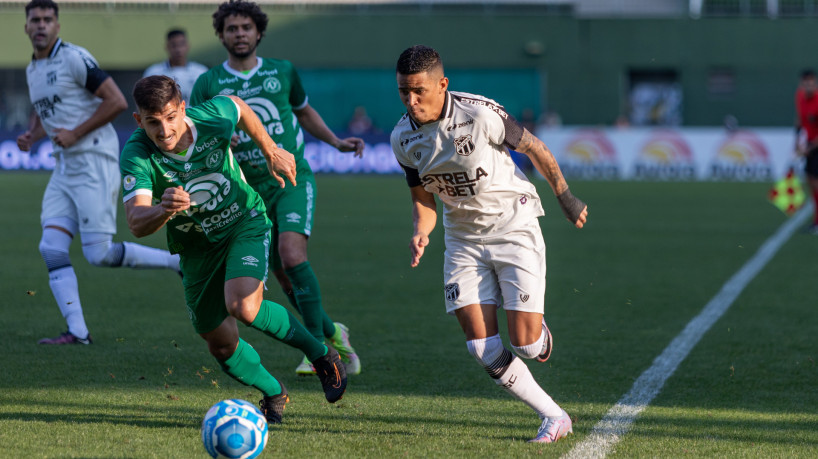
(452, 291)
(129, 182)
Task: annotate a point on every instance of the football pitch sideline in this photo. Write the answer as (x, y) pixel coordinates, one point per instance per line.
(619, 291)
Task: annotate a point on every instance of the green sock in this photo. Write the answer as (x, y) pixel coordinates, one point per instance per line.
(245, 367)
(308, 296)
(276, 321)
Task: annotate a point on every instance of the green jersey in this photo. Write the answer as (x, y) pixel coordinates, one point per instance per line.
(273, 90)
(220, 199)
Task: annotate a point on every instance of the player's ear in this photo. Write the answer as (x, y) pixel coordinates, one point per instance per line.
(444, 83)
(137, 118)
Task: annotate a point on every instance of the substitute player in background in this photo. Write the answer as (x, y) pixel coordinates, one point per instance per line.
(181, 158)
(456, 146)
(806, 105)
(177, 66)
(75, 101)
(272, 88)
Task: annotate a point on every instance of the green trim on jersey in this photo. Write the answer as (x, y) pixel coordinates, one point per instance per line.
(220, 197)
(272, 89)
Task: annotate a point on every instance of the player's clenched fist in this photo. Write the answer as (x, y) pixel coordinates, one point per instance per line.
(175, 200)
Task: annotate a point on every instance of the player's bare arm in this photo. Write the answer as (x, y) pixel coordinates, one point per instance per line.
(424, 218)
(312, 122)
(575, 210)
(145, 218)
(35, 132)
(279, 160)
(113, 103)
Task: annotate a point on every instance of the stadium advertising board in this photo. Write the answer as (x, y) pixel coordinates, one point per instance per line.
(684, 154)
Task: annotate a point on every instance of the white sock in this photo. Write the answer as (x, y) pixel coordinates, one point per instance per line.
(529, 351)
(63, 283)
(519, 382)
(140, 256)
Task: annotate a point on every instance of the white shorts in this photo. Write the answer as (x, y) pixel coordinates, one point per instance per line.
(84, 187)
(509, 271)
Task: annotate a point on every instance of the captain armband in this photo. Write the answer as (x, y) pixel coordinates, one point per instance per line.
(570, 205)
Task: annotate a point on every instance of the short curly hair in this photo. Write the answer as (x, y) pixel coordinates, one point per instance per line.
(418, 59)
(240, 8)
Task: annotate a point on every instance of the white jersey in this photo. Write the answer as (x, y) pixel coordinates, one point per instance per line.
(185, 75)
(463, 158)
(62, 88)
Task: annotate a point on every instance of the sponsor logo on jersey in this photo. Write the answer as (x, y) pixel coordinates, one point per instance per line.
(463, 145)
(468, 122)
(206, 144)
(272, 85)
(128, 182)
(214, 159)
(250, 260)
(452, 291)
(267, 72)
(454, 183)
(47, 106)
(170, 175)
(187, 167)
(228, 80)
(293, 217)
(51, 77)
(249, 91)
(226, 91)
(490, 105)
(409, 140)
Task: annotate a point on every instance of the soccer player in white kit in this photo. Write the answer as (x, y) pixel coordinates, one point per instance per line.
(177, 66)
(455, 145)
(75, 102)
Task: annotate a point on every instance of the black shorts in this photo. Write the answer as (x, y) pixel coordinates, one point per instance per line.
(811, 166)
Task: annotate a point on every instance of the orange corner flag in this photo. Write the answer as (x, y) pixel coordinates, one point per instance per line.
(787, 194)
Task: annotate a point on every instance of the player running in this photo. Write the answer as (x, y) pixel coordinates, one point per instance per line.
(217, 223)
(272, 88)
(455, 145)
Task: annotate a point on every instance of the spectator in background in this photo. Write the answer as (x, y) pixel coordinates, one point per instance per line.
(360, 123)
(177, 66)
(806, 106)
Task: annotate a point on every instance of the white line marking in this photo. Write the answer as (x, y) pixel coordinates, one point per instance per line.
(619, 418)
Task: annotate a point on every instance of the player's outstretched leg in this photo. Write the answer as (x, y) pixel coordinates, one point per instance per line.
(273, 406)
(331, 372)
(509, 372)
(539, 349)
(100, 250)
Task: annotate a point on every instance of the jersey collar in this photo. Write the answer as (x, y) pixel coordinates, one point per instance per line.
(243, 76)
(446, 112)
(57, 45)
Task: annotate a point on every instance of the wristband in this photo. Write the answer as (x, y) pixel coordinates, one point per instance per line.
(570, 205)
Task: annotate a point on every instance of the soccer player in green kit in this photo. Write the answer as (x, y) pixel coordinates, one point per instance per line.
(272, 88)
(181, 158)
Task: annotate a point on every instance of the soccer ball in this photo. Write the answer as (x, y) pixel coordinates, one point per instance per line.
(235, 429)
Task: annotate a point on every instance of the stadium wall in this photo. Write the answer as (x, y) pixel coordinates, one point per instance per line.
(581, 69)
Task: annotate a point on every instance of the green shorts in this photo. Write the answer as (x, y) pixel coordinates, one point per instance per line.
(290, 208)
(205, 272)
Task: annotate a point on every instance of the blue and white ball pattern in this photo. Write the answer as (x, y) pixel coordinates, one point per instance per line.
(235, 429)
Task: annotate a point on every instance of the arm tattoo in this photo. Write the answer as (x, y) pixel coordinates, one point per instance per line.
(543, 160)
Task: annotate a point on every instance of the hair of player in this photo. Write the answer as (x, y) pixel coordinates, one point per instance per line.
(44, 4)
(151, 94)
(419, 59)
(240, 8)
(175, 32)
(807, 73)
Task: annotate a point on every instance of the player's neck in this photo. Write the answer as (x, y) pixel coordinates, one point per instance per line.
(184, 141)
(242, 64)
(43, 53)
(178, 62)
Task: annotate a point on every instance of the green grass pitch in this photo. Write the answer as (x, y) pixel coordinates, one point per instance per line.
(652, 255)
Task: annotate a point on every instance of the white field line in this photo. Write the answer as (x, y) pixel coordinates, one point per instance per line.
(619, 418)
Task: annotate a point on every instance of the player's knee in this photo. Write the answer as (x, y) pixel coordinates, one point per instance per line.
(222, 352)
(491, 354)
(53, 247)
(243, 310)
(530, 351)
(104, 253)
